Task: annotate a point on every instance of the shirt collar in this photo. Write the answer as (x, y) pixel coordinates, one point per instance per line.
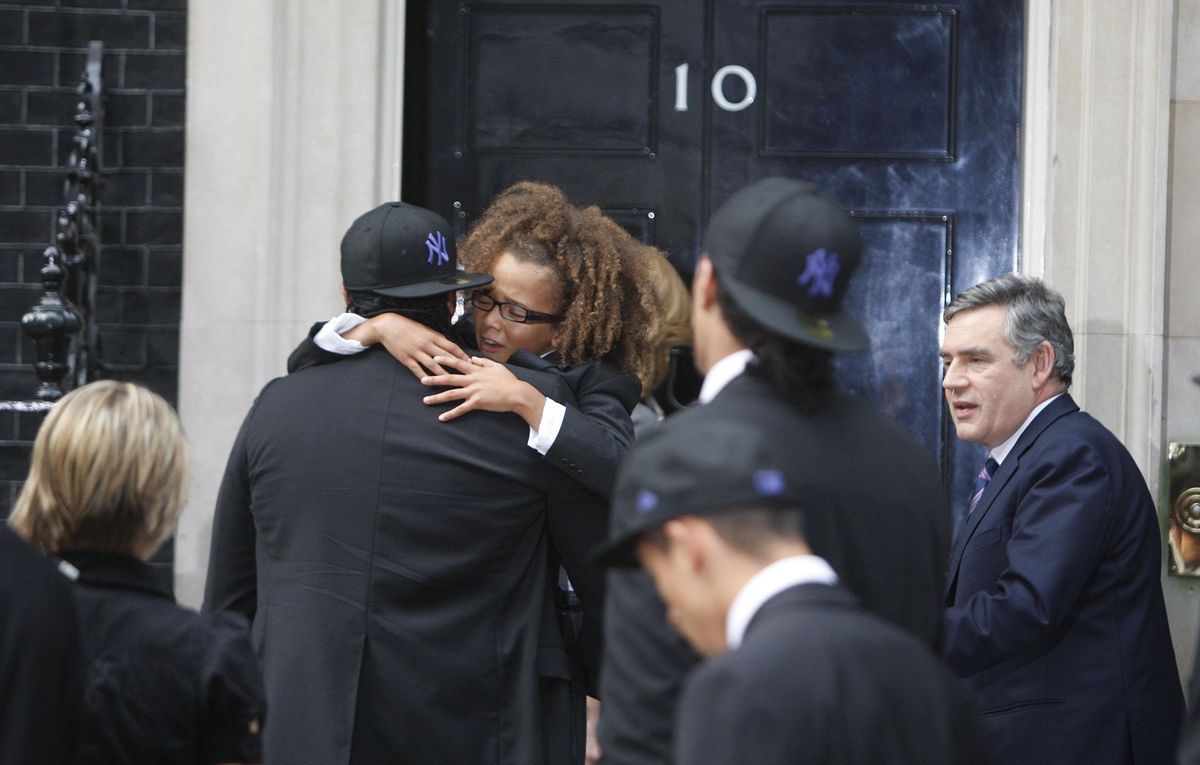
(766, 584)
(1001, 451)
(723, 372)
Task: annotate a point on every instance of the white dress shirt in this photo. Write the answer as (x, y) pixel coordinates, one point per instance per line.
(766, 584)
(1001, 451)
(724, 372)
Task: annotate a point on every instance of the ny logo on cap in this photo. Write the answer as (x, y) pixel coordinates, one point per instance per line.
(646, 501)
(769, 482)
(820, 269)
(436, 243)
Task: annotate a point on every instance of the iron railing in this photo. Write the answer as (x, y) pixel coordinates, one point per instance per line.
(62, 323)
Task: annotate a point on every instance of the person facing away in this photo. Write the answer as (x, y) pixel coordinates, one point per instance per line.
(1054, 610)
(796, 671)
(571, 293)
(396, 566)
(41, 668)
(163, 684)
(767, 315)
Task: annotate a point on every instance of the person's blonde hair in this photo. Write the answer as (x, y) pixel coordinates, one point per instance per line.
(108, 472)
(674, 303)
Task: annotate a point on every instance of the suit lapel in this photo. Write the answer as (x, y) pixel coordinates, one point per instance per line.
(1062, 406)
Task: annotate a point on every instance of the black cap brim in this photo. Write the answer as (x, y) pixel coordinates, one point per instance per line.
(838, 331)
(460, 281)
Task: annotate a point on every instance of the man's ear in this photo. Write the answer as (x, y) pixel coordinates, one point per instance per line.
(704, 284)
(686, 538)
(451, 303)
(1043, 364)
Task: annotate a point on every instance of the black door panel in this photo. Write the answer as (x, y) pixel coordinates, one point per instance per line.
(906, 113)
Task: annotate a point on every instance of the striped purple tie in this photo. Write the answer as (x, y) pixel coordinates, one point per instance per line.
(981, 482)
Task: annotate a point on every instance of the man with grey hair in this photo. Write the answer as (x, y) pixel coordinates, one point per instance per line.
(1054, 609)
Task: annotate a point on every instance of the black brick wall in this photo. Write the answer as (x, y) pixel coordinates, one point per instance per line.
(43, 49)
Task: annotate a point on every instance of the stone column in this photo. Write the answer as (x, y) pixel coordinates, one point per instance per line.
(1098, 132)
(286, 119)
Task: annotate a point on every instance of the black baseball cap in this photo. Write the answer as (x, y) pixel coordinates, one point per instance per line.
(404, 251)
(701, 467)
(785, 255)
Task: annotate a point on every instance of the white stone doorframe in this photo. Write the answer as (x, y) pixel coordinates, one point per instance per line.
(294, 114)
(1095, 201)
(1094, 198)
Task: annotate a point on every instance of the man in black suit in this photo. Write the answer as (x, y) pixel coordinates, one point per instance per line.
(797, 671)
(767, 314)
(1054, 605)
(396, 567)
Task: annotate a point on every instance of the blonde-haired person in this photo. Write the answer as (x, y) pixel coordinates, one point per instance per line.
(674, 330)
(163, 684)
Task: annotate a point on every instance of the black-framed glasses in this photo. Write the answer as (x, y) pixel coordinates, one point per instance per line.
(482, 301)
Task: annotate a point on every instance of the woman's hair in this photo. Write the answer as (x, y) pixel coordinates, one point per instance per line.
(108, 472)
(606, 301)
(674, 304)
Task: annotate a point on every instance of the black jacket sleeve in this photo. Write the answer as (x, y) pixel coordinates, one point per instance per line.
(597, 432)
(232, 582)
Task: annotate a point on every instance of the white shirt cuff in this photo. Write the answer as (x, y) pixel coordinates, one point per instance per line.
(329, 338)
(552, 419)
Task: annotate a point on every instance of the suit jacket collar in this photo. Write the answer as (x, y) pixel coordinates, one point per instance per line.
(1060, 407)
(800, 596)
(116, 571)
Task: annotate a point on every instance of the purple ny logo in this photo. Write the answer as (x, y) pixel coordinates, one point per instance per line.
(437, 248)
(646, 501)
(820, 269)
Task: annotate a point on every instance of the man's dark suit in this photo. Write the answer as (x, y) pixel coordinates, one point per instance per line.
(1055, 612)
(818, 680)
(887, 534)
(400, 592)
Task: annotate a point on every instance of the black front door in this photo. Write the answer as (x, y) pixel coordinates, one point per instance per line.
(657, 111)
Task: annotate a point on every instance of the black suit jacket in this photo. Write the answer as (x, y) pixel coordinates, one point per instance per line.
(596, 430)
(887, 536)
(397, 568)
(818, 680)
(1055, 612)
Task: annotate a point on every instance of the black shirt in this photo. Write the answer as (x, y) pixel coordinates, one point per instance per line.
(164, 684)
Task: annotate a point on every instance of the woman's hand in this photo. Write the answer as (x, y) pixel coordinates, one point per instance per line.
(411, 343)
(486, 385)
